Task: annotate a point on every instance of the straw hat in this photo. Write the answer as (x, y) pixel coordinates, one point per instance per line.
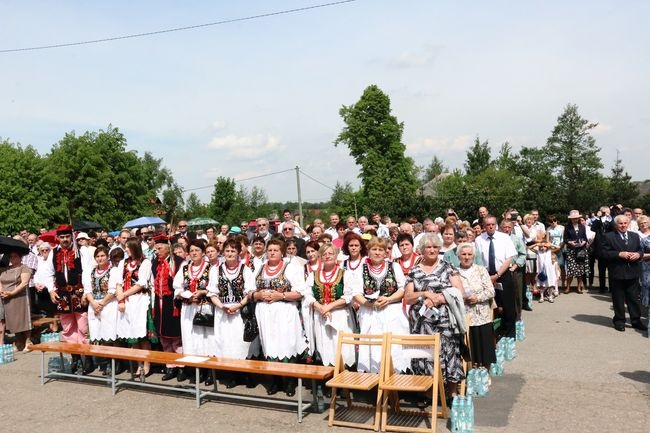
(574, 214)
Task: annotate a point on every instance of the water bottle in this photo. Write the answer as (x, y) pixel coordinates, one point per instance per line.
(529, 296)
(462, 415)
(469, 416)
(470, 381)
(454, 415)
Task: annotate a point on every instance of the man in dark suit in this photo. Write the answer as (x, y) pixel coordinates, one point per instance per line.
(600, 226)
(623, 252)
(182, 231)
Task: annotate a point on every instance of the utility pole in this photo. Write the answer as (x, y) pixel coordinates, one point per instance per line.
(302, 222)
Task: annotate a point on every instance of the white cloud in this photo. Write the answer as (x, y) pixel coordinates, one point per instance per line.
(439, 145)
(219, 124)
(425, 56)
(247, 146)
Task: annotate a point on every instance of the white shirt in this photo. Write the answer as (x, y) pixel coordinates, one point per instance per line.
(504, 248)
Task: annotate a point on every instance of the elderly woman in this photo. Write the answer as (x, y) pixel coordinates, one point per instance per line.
(379, 294)
(435, 292)
(577, 260)
(479, 292)
(44, 304)
(329, 291)
(279, 288)
(530, 237)
(14, 302)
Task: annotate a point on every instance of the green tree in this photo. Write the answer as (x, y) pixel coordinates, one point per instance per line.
(374, 138)
(506, 159)
(224, 198)
(343, 201)
(435, 168)
(159, 181)
(478, 157)
(621, 189)
(535, 168)
(194, 207)
(576, 160)
(26, 195)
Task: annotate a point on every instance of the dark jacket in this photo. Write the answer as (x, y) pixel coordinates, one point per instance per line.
(620, 269)
(600, 228)
(571, 235)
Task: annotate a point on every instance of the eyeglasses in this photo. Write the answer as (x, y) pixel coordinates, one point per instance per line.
(182, 226)
(147, 239)
(287, 229)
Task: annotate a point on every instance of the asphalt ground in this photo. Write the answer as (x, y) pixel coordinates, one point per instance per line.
(573, 373)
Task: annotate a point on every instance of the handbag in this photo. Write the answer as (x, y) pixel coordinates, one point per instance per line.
(203, 318)
(251, 331)
(542, 277)
(581, 255)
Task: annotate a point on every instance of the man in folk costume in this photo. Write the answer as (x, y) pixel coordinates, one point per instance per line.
(66, 292)
(166, 312)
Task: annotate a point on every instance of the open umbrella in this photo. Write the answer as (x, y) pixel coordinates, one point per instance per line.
(82, 225)
(202, 221)
(143, 222)
(10, 245)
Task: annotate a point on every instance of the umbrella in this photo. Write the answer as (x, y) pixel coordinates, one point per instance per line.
(202, 221)
(143, 222)
(81, 225)
(10, 245)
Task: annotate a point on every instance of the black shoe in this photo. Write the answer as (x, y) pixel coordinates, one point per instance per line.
(181, 376)
(209, 381)
(250, 381)
(272, 389)
(603, 290)
(120, 367)
(619, 327)
(170, 374)
(527, 308)
(231, 383)
(88, 366)
(290, 388)
(192, 379)
(640, 326)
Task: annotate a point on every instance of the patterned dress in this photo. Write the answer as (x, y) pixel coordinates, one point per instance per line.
(136, 323)
(450, 358)
(645, 276)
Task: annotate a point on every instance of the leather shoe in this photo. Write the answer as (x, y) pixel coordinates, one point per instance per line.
(640, 326)
(209, 381)
(170, 374)
(272, 389)
(527, 308)
(290, 388)
(620, 328)
(182, 376)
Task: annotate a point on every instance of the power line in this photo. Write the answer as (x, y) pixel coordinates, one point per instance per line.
(177, 29)
(241, 180)
(317, 181)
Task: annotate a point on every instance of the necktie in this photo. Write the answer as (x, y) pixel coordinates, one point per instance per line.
(624, 237)
(492, 264)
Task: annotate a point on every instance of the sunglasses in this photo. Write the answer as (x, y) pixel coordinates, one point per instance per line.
(147, 239)
(287, 229)
(182, 226)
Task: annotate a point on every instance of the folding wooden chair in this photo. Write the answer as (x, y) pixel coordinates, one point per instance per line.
(391, 382)
(352, 380)
(467, 365)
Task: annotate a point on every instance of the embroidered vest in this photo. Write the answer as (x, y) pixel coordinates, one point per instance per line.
(231, 291)
(386, 287)
(279, 282)
(326, 293)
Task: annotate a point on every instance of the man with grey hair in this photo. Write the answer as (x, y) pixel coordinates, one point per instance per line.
(623, 250)
(262, 227)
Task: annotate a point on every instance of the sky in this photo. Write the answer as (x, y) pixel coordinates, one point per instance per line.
(254, 97)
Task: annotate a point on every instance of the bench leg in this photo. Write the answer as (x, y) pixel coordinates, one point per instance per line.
(113, 376)
(300, 399)
(42, 368)
(198, 391)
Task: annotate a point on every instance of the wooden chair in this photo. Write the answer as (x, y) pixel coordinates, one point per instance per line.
(391, 383)
(353, 380)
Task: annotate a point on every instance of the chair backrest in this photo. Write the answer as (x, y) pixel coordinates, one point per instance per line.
(356, 340)
(420, 346)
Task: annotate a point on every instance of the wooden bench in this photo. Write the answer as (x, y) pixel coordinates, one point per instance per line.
(298, 371)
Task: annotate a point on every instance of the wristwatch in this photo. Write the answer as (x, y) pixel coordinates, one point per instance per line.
(420, 298)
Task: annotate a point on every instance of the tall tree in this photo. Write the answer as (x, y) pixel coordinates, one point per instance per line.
(25, 198)
(343, 201)
(223, 198)
(374, 137)
(478, 157)
(576, 160)
(194, 207)
(621, 188)
(435, 168)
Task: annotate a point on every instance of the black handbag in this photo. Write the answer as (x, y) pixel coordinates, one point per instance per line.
(251, 331)
(204, 319)
(581, 255)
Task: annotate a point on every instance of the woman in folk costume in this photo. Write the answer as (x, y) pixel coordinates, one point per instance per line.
(328, 294)
(228, 283)
(279, 288)
(166, 308)
(191, 286)
(102, 304)
(134, 321)
(380, 297)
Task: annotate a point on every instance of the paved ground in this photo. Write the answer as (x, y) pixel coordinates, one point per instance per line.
(574, 373)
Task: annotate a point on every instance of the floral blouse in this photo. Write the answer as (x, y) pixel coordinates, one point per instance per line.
(476, 281)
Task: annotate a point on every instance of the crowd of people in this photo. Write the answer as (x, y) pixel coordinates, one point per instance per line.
(284, 293)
